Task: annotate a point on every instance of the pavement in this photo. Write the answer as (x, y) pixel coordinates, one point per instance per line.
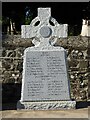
(77, 113)
(81, 111)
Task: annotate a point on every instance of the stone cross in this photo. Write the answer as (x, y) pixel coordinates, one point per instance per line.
(44, 29)
(45, 83)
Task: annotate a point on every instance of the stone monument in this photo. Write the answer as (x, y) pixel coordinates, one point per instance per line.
(85, 28)
(45, 83)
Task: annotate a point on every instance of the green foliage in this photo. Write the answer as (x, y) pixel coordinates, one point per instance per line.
(74, 30)
(5, 20)
(28, 20)
(0, 21)
(28, 15)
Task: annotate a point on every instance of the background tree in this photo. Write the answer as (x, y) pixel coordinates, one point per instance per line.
(23, 12)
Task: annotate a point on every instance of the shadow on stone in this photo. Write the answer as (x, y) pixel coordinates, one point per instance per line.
(19, 105)
(9, 106)
(10, 95)
(82, 104)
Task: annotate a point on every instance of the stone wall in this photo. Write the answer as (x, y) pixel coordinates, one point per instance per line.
(77, 48)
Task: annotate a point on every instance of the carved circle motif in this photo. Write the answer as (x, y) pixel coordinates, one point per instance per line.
(45, 32)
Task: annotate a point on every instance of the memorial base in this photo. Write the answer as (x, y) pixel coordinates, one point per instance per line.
(49, 105)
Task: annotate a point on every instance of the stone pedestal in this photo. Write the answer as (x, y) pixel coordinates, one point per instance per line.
(49, 105)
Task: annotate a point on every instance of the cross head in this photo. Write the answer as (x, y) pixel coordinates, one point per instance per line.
(44, 28)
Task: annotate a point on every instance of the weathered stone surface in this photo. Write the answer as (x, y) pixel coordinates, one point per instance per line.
(81, 76)
(45, 75)
(53, 105)
(11, 42)
(44, 16)
(45, 32)
(78, 54)
(71, 42)
(44, 66)
(75, 42)
(85, 28)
